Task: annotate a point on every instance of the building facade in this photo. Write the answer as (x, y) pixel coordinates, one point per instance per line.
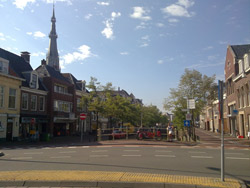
(10, 92)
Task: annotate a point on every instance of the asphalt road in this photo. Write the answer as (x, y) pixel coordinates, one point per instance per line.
(180, 160)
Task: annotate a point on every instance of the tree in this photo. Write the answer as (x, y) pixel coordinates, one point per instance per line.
(192, 85)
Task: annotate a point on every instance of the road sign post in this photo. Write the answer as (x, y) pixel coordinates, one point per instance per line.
(82, 117)
(220, 93)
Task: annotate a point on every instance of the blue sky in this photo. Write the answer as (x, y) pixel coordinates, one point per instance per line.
(142, 46)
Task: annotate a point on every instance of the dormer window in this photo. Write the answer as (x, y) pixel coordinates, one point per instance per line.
(240, 67)
(4, 66)
(246, 61)
(34, 80)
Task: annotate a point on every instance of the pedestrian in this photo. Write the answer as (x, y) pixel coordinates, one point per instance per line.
(170, 133)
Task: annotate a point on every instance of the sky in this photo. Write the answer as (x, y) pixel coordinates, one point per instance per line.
(141, 46)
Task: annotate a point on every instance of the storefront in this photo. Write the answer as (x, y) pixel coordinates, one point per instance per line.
(32, 127)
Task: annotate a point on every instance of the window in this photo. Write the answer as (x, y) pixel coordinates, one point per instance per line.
(25, 101)
(1, 96)
(33, 102)
(240, 66)
(79, 105)
(60, 89)
(12, 98)
(4, 67)
(33, 81)
(41, 103)
(62, 106)
(246, 61)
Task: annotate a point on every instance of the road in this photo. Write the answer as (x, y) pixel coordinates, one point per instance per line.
(181, 160)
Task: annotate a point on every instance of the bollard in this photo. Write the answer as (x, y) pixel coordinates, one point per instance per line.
(126, 132)
(99, 134)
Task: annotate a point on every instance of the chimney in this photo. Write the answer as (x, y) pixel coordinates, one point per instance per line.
(26, 56)
(43, 62)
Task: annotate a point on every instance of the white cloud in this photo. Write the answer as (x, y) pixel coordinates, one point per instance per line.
(103, 3)
(173, 20)
(208, 48)
(109, 23)
(17, 29)
(81, 54)
(160, 61)
(88, 16)
(145, 41)
(1, 5)
(69, 2)
(160, 25)
(22, 3)
(186, 3)
(2, 37)
(179, 9)
(140, 13)
(39, 34)
(141, 26)
(124, 53)
(36, 54)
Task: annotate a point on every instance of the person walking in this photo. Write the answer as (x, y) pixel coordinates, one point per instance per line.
(170, 133)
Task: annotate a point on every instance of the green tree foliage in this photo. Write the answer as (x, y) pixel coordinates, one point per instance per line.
(192, 85)
(151, 115)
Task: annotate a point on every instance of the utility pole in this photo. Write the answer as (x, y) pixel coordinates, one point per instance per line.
(220, 92)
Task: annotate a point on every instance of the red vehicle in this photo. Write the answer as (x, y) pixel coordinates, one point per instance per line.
(144, 133)
(118, 134)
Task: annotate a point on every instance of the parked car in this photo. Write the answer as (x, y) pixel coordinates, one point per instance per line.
(118, 134)
(143, 133)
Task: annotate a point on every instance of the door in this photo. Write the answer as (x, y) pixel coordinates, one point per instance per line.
(9, 131)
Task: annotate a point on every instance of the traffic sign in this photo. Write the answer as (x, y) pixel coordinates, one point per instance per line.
(191, 104)
(188, 116)
(83, 116)
(186, 123)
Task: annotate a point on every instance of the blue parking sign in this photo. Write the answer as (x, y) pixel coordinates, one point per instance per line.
(186, 123)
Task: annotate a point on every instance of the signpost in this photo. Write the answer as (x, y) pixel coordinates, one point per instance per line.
(82, 117)
(186, 123)
(220, 96)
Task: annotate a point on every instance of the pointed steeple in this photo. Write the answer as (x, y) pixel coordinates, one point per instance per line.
(52, 55)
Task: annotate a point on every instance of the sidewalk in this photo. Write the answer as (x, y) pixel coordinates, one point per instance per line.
(206, 136)
(109, 179)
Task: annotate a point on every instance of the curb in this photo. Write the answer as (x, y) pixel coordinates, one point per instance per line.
(100, 184)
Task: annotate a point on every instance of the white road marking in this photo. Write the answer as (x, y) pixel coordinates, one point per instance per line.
(160, 146)
(99, 151)
(58, 147)
(20, 158)
(33, 153)
(165, 156)
(98, 156)
(189, 147)
(131, 146)
(85, 147)
(67, 152)
(203, 157)
(196, 152)
(47, 148)
(238, 158)
(72, 147)
(104, 146)
(131, 155)
(131, 150)
(60, 157)
(162, 151)
(234, 153)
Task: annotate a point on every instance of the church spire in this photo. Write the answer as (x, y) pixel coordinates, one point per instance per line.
(52, 55)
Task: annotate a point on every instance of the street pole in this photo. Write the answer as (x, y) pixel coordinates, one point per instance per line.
(82, 131)
(220, 89)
